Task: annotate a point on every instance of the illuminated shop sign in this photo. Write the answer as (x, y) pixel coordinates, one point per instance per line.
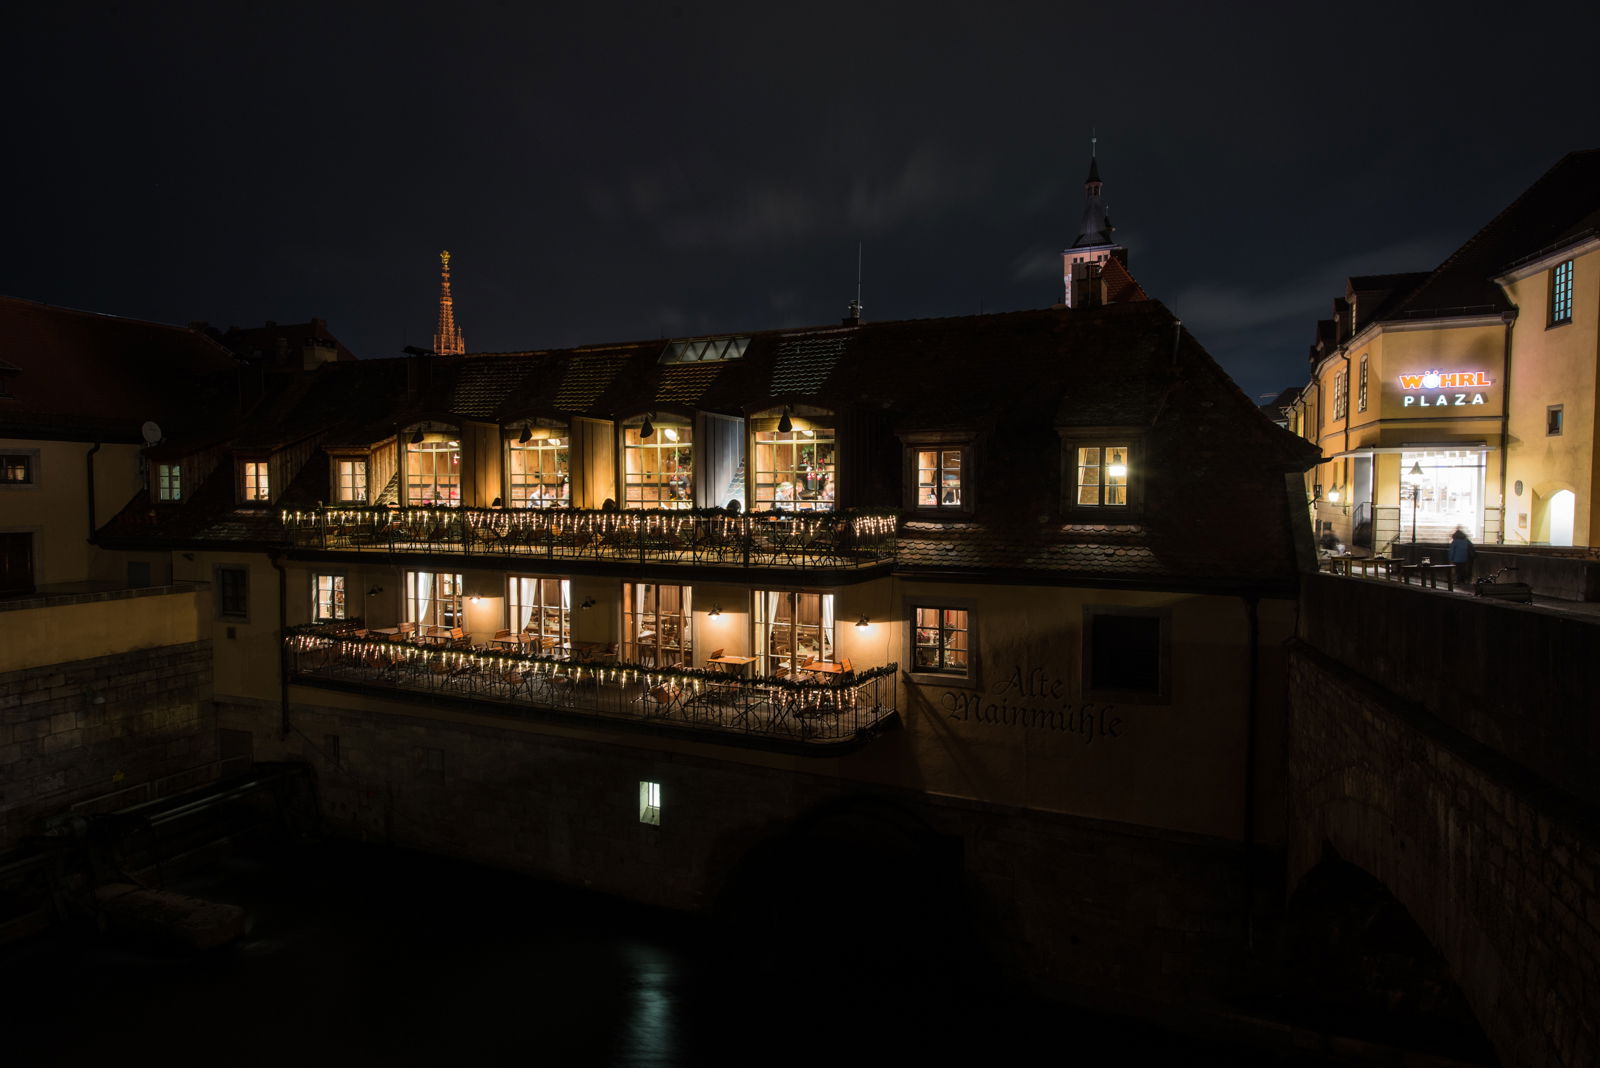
(1452, 388)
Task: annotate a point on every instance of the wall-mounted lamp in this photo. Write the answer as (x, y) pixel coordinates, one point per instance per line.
(716, 611)
(863, 622)
(374, 591)
(416, 436)
(785, 424)
(647, 429)
(1316, 491)
(527, 435)
(497, 503)
(1333, 495)
(588, 602)
(475, 599)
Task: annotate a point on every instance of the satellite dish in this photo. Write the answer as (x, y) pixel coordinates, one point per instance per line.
(151, 432)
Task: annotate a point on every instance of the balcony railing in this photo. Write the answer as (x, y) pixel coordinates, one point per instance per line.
(801, 713)
(844, 539)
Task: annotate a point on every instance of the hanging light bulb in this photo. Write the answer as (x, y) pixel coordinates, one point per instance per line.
(527, 435)
(647, 429)
(785, 424)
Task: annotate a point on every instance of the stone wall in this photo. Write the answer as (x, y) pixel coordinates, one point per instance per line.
(104, 733)
(1072, 905)
(1498, 868)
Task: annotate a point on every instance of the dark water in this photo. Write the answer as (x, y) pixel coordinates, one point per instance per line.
(363, 955)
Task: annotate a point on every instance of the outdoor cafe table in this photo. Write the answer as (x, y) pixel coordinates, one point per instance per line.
(435, 635)
(733, 665)
(823, 667)
(1428, 574)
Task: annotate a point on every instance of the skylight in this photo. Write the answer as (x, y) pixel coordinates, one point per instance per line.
(705, 350)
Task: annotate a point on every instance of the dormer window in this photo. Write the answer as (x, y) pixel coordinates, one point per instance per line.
(255, 481)
(350, 481)
(937, 475)
(433, 471)
(658, 463)
(537, 475)
(796, 464)
(1102, 480)
(1101, 471)
(169, 482)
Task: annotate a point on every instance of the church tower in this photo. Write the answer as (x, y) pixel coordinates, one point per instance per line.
(447, 340)
(1084, 264)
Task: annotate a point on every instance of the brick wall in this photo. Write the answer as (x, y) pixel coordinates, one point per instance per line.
(103, 733)
(1073, 905)
(1498, 868)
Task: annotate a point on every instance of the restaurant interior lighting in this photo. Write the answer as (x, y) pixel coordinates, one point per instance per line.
(669, 433)
(1118, 470)
(1416, 470)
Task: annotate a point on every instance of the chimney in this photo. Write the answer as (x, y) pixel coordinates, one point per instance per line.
(854, 318)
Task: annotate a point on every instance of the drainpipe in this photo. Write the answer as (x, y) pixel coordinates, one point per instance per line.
(1510, 319)
(89, 462)
(1252, 708)
(283, 656)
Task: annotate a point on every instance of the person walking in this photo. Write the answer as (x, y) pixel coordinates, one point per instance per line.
(1461, 554)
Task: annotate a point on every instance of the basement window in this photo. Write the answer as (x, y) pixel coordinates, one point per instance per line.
(650, 803)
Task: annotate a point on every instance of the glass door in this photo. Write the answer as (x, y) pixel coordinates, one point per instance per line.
(656, 625)
(541, 611)
(792, 628)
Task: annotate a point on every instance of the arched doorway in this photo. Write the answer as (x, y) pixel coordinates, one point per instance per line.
(1561, 511)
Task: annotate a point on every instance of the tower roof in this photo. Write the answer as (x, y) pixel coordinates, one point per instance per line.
(447, 340)
(1094, 228)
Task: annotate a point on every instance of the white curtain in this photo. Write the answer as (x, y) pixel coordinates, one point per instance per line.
(421, 597)
(827, 626)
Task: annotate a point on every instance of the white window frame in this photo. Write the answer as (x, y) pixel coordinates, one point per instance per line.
(350, 479)
(255, 481)
(169, 483)
(328, 590)
(650, 803)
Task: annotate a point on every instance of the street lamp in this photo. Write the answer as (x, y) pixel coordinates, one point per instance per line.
(1414, 478)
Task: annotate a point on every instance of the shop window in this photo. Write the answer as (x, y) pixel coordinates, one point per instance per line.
(351, 477)
(1361, 387)
(941, 641)
(1100, 475)
(792, 630)
(433, 599)
(650, 803)
(657, 625)
(233, 593)
(169, 482)
(1126, 654)
(541, 609)
(433, 471)
(658, 465)
(255, 482)
(16, 469)
(796, 470)
(327, 597)
(1553, 420)
(1561, 294)
(536, 469)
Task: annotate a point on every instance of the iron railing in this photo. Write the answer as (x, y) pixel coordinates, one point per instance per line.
(783, 709)
(844, 539)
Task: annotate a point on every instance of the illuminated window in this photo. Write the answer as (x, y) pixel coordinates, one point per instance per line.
(233, 593)
(169, 482)
(792, 629)
(796, 470)
(433, 471)
(1125, 654)
(352, 477)
(256, 486)
(658, 470)
(650, 803)
(433, 599)
(937, 477)
(1561, 294)
(656, 625)
(541, 609)
(940, 643)
(327, 592)
(705, 350)
(1101, 476)
(1361, 387)
(1553, 420)
(16, 469)
(538, 472)
(1341, 394)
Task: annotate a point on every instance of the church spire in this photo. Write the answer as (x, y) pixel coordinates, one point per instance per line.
(1088, 277)
(447, 341)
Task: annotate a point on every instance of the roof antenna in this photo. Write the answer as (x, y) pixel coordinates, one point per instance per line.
(855, 305)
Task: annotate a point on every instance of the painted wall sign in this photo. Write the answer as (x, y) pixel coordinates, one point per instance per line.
(1033, 699)
(1455, 389)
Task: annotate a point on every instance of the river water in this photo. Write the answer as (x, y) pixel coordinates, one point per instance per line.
(365, 955)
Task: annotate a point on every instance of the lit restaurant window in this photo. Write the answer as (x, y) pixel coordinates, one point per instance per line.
(353, 481)
(169, 482)
(939, 478)
(256, 485)
(941, 641)
(538, 471)
(658, 465)
(796, 468)
(650, 803)
(541, 611)
(1102, 476)
(1561, 294)
(433, 471)
(433, 599)
(328, 591)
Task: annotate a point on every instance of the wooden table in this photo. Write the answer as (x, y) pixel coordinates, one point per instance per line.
(512, 640)
(1428, 574)
(823, 667)
(435, 635)
(1374, 563)
(387, 632)
(733, 665)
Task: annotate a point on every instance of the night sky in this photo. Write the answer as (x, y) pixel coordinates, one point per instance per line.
(608, 172)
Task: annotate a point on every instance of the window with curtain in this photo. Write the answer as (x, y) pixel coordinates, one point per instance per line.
(352, 487)
(796, 470)
(433, 471)
(537, 472)
(542, 608)
(256, 484)
(658, 471)
(433, 599)
(791, 629)
(940, 644)
(656, 624)
(327, 597)
(1102, 476)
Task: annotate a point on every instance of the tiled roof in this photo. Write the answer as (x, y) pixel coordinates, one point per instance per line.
(686, 383)
(588, 376)
(482, 383)
(802, 364)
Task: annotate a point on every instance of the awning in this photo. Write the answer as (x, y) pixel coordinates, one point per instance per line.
(1416, 446)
